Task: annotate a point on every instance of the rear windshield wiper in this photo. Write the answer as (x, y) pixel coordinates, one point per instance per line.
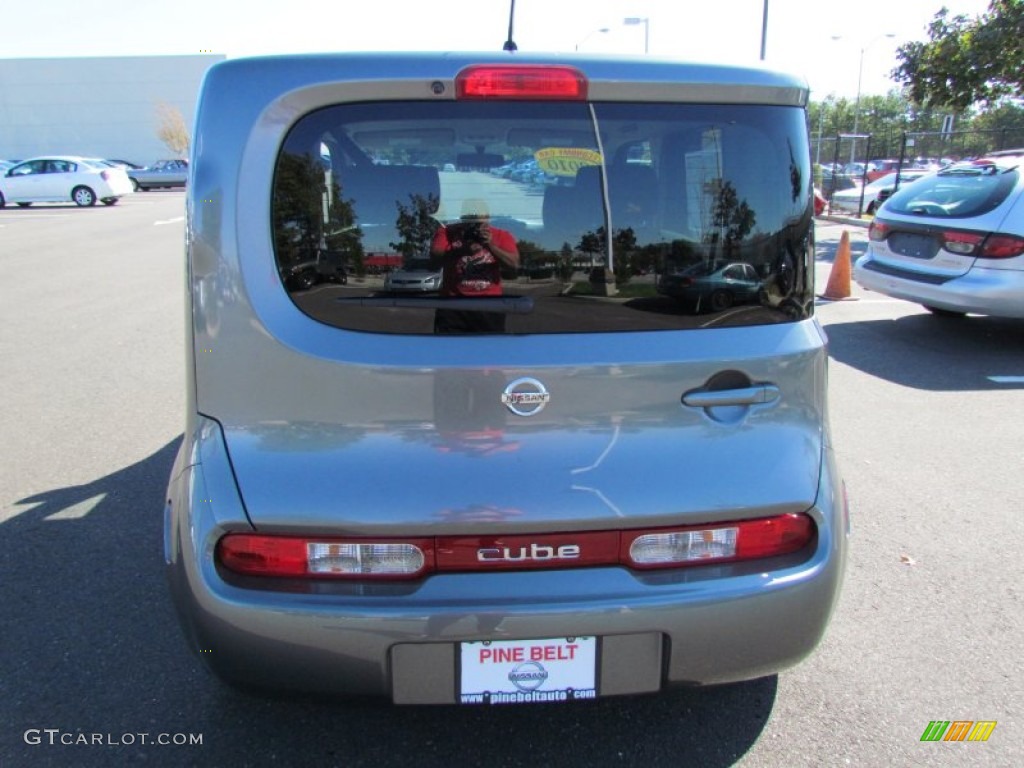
(508, 305)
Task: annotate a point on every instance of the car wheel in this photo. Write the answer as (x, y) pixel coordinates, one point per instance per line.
(83, 196)
(938, 312)
(24, 205)
(109, 200)
(306, 279)
(719, 301)
(871, 208)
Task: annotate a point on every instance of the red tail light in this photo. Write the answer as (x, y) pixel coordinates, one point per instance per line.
(323, 557)
(521, 81)
(705, 544)
(963, 243)
(1002, 247)
(878, 231)
(390, 559)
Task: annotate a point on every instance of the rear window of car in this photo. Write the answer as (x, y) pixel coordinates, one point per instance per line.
(677, 185)
(957, 192)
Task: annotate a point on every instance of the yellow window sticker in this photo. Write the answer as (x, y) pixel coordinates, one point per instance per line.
(565, 161)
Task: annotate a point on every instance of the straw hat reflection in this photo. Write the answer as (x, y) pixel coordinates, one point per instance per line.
(475, 208)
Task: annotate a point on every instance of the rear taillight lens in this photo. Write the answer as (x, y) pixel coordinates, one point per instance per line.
(981, 245)
(288, 556)
(962, 243)
(1002, 247)
(878, 231)
(105, 175)
(698, 545)
(251, 554)
(521, 81)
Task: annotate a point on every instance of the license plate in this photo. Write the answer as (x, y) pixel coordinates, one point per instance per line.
(528, 671)
(913, 245)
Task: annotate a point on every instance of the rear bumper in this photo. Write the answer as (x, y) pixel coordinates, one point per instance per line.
(699, 626)
(998, 292)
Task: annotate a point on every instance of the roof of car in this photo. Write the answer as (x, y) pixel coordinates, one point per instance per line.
(648, 77)
(71, 158)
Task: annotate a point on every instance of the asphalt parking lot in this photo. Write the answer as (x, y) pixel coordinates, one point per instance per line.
(95, 672)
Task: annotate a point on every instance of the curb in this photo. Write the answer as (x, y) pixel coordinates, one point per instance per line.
(849, 220)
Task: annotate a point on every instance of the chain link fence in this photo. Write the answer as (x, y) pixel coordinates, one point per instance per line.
(845, 163)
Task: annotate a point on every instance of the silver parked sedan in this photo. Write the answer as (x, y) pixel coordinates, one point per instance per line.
(512, 490)
(163, 174)
(413, 277)
(953, 241)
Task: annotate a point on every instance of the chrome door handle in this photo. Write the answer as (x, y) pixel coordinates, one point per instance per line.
(755, 395)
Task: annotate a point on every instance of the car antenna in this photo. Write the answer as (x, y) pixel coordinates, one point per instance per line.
(510, 44)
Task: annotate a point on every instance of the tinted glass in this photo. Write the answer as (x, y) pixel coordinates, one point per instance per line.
(509, 205)
(957, 192)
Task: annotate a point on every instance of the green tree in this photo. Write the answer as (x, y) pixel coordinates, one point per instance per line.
(591, 243)
(733, 219)
(1006, 116)
(300, 231)
(966, 61)
(566, 267)
(624, 245)
(416, 226)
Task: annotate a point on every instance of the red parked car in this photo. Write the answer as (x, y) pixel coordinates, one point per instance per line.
(819, 202)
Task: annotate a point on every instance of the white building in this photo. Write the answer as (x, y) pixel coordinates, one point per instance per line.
(95, 107)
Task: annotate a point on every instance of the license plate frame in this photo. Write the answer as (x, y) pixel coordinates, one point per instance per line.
(527, 671)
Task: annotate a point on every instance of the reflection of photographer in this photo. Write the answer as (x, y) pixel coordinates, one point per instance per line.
(470, 253)
(468, 233)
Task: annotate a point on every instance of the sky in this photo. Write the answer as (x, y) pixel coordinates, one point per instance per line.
(801, 33)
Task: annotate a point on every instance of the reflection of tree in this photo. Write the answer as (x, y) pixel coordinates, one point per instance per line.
(674, 256)
(416, 226)
(624, 248)
(732, 218)
(795, 175)
(534, 257)
(591, 243)
(646, 258)
(565, 262)
(307, 436)
(308, 218)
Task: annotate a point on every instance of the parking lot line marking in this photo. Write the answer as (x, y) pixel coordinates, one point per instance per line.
(1007, 379)
(825, 302)
(175, 220)
(78, 510)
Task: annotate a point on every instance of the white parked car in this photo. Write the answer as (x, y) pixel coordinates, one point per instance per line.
(62, 179)
(874, 193)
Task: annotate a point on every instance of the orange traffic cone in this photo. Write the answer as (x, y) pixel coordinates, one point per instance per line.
(838, 288)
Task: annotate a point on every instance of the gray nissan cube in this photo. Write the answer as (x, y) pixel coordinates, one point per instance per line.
(559, 469)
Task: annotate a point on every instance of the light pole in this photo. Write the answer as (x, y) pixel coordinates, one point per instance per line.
(821, 126)
(590, 35)
(764, 30)
(631, 21)
(860, 78)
